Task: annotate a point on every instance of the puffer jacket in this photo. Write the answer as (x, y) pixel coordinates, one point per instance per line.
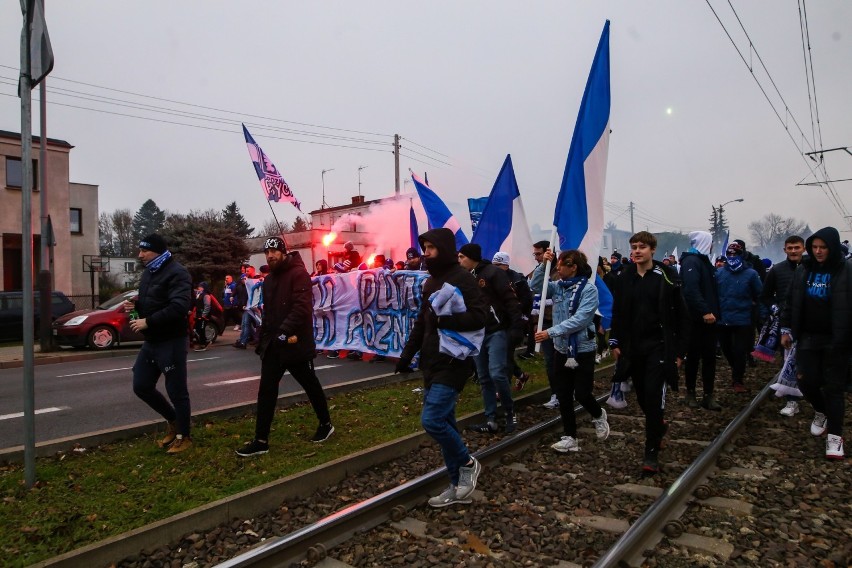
(437, 367)
(565, 325)
(288, 310)
(738, 291)
(164, 301)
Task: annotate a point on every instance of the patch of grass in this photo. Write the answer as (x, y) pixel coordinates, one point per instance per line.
(81, 498)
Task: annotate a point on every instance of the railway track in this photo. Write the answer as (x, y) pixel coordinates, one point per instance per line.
(738, 488)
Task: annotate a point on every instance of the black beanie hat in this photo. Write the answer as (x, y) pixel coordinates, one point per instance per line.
(154, 243)
(276, 243)
(412, 253)
(472, 251)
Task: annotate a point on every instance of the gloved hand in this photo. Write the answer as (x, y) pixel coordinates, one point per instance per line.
(403, 366)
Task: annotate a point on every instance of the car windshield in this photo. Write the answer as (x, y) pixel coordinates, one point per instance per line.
(114, 301)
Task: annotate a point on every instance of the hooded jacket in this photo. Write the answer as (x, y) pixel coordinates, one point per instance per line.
(834, 276)
(437, 367)
(698, 276)
(164, 300)
(288, 310)
(504, 305)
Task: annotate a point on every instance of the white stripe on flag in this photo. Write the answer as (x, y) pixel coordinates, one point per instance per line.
(594, 170)
(452, 224)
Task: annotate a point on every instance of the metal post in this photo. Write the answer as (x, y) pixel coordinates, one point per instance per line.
(396, 162)
(46, 242)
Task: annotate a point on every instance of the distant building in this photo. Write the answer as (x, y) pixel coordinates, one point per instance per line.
(73, 212)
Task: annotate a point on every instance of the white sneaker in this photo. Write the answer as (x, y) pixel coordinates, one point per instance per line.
(448, 497)
(834, 447)
(598, 359)
(566, 444)
(236, 328)
(819, 425)
(552, 403)
(601, 426)
(791, 409)
(468, 474)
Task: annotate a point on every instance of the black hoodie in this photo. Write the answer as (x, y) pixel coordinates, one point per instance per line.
(288, 307)
(818, 307)
(437, 367)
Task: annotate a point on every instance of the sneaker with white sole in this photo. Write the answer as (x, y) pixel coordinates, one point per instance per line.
(552, 403)
(448, 497)
(791, 409)
(819, 425)
(323, 432)
(601, 426)
(834, 447)
(468, 474)
(566, 444)
(253, 448)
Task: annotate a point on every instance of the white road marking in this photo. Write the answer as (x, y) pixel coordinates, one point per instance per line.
(125, 368)
(255, 378)
(40, 411)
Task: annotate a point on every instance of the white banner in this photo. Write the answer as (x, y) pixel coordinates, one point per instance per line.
(366, 310)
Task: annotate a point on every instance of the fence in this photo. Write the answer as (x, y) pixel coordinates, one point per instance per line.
(84, 302)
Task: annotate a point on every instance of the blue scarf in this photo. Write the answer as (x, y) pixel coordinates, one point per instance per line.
(578, 283)
(155, 264)
(735, 263)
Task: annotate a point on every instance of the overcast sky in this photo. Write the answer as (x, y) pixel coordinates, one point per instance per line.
(464, 83)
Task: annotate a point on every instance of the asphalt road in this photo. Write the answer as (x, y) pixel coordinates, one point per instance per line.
(72, 399)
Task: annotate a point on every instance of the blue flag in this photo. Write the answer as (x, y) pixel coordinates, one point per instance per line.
(503, 225)
(415, 244)
(437, 213)
(271, 181)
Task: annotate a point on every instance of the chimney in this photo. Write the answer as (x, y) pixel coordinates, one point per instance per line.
(357, 199)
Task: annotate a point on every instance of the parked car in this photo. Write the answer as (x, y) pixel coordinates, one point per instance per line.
(108, 325)
(12, 312)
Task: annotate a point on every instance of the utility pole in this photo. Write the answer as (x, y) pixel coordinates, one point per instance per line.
(45, 286)
(396, 162)
(632, 231)
(359, 177)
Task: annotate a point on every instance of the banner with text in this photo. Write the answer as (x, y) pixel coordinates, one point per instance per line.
(366, 310)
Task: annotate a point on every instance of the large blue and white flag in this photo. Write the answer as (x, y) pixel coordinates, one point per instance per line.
(579, 216)
(503, 224)
(271, 181)
(437, 213)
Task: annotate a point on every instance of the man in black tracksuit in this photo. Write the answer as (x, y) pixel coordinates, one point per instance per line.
(165, 295)
(648, 324)
(504, 328)
(286, 343)
(444, 376)
(817, 316)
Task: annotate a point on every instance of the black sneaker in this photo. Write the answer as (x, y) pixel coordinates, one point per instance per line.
(253, 448)
(323, 432)
(651, 463)
(526, 356)
(239, 345)
(354, 356)
(511, 423)
(333, 354)
(484, 428)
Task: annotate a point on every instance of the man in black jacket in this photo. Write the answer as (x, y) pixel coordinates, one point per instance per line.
(702, 301)
(286, 343)
(503, 328)
(817, 315)
(521, 287)
(647, 336)
(444, 376)
(165, 293)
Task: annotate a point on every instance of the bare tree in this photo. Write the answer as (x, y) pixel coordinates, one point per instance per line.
(106, 235)
(271, 228)
(124, 241)
(770, 231)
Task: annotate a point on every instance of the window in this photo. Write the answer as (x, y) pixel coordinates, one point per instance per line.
(15, 174)
(130, 267)
(76, 221)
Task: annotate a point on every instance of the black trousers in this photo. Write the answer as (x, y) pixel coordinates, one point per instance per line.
(271, 372)
(822, 379)
(737, 342)
(701, 352)
(649, 379)
(568, 383)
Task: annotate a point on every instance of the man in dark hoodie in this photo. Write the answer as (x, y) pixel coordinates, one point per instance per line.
(286, 343)
(702, 302)
(503, 329)
(444, 376)
(817, 317)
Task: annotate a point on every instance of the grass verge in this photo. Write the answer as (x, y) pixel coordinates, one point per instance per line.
(81, 498)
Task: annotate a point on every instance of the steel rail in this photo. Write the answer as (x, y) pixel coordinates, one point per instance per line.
(629, 548)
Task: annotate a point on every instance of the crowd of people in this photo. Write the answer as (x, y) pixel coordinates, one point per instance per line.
(475, 312)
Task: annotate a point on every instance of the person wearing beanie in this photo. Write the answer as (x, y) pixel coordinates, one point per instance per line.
(286, 344)
(413, 260)
(163, 303)
(504, 328)
(521, 287)
(817, 317)
(444, 376)
(702, 302)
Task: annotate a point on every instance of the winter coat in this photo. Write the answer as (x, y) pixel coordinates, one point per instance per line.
(777, 283)
(505, 307)
(738, 291)
(521, 287)
(287, 310)
(164, 301)
(699, 285)
(564, 325)
(437, 367)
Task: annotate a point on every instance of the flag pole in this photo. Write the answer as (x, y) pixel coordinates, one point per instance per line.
(280, 230)
(544, 284)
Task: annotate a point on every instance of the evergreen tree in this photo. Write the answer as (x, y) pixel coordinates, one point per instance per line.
(149, 219)
(718, 224)
(231, 216)
(300, 225)
(205, 244)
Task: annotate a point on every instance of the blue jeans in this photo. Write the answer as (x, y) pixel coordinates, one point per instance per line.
(493, 371)
(439, 420)
(164, 358)
(247, 327)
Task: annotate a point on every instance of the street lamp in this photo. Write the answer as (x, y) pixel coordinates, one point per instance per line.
(359, 177)
(722, 210)
(324, 204)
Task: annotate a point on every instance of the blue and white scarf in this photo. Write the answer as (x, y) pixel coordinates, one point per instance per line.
(155, 264)
(578, 283)
(735, 263)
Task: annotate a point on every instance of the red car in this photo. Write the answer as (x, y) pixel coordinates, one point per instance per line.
(108, 325)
